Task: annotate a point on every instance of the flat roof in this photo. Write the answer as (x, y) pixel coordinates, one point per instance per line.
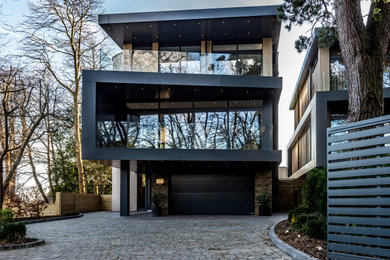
(218, 24)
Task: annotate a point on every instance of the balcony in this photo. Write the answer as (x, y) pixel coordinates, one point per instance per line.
(239, 64)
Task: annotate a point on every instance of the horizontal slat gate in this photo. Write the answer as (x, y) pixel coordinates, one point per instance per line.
(359, 190)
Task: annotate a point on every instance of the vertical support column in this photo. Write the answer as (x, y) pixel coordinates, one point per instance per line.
(125, 188)
(209, 57)
(156, 67)
(127, 49)
(116, 180)
(203, 58)
(267, 57)
(133, 186)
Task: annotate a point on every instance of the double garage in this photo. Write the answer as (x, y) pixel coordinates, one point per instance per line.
(212, 193)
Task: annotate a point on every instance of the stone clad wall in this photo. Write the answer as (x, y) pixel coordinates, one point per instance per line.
(263, 182)
(286, 193)
(163, 189)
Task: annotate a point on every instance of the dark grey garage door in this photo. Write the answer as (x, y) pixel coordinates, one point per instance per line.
(212, 194)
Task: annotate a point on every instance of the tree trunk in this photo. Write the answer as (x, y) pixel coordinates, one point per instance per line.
(48, 152)
(80, 166)
(95, 184)
(34, 172)
(364, 49)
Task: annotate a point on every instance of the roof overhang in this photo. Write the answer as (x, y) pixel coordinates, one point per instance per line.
(246, 24)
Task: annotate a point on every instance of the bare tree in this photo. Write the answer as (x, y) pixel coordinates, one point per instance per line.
(62, 36)
(19, 93)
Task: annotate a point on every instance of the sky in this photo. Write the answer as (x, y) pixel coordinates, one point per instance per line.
(290, 61)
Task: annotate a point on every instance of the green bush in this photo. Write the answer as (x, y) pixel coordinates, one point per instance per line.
(11, 232)
(316, 226)
(6, 216)
(315, 190)
(310, 218)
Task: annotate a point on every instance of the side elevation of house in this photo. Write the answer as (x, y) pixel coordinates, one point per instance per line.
(189, 109)
(320, 100)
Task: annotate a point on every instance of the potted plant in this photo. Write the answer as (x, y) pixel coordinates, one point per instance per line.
(264, 200)
(156, 199)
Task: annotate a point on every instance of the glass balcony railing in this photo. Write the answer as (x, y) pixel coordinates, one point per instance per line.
(187, 62)
(183, 136)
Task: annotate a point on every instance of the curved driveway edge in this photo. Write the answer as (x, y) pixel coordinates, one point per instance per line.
(27, 222)
(25, 245)
(289, 250)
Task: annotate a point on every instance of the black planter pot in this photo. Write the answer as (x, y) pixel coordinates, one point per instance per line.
(265, 211)
(156, 211)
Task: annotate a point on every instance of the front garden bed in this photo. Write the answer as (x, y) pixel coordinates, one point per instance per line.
(311, 246)
(22, 243)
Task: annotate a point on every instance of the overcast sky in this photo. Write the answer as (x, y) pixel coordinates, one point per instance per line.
(290, 61)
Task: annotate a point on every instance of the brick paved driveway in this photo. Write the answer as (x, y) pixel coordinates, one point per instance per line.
(105, 235)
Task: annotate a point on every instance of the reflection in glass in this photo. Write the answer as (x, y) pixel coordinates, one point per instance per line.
(144, 133)
(234, 124)
(211, 130)
(245, 131)
(249, 64)
(111, 133)
(177, 131)
(338, 75)
(224, 61)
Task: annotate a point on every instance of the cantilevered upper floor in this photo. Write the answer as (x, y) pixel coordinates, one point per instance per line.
(219, 102)
(228, 41)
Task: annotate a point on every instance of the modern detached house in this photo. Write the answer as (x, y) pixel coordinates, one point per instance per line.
(190, 109)
(320, 100)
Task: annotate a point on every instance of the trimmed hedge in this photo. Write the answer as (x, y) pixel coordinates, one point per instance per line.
(10, 231)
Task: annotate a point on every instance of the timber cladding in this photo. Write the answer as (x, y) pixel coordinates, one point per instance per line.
(68, 203)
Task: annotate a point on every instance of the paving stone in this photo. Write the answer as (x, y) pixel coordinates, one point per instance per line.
(106, 235)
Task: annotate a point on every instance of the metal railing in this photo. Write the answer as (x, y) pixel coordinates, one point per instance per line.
(358, 160)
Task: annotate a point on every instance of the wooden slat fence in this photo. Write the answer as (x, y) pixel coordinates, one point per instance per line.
(359, 190)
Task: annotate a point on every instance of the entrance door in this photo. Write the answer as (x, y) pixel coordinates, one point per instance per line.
(143, 192)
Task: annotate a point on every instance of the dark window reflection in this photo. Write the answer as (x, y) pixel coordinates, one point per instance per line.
(187, 125)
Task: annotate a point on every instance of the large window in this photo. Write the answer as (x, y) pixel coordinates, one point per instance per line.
(233, 124)
(338, 73)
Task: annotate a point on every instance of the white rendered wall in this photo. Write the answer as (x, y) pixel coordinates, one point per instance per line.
(116, 182)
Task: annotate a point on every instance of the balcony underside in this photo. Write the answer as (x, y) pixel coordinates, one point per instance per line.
(272, 156)
(183, 79)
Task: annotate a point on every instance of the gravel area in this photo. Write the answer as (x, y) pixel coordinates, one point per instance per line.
(106, 235)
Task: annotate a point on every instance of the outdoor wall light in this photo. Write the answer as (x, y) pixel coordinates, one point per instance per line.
(159, 181)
